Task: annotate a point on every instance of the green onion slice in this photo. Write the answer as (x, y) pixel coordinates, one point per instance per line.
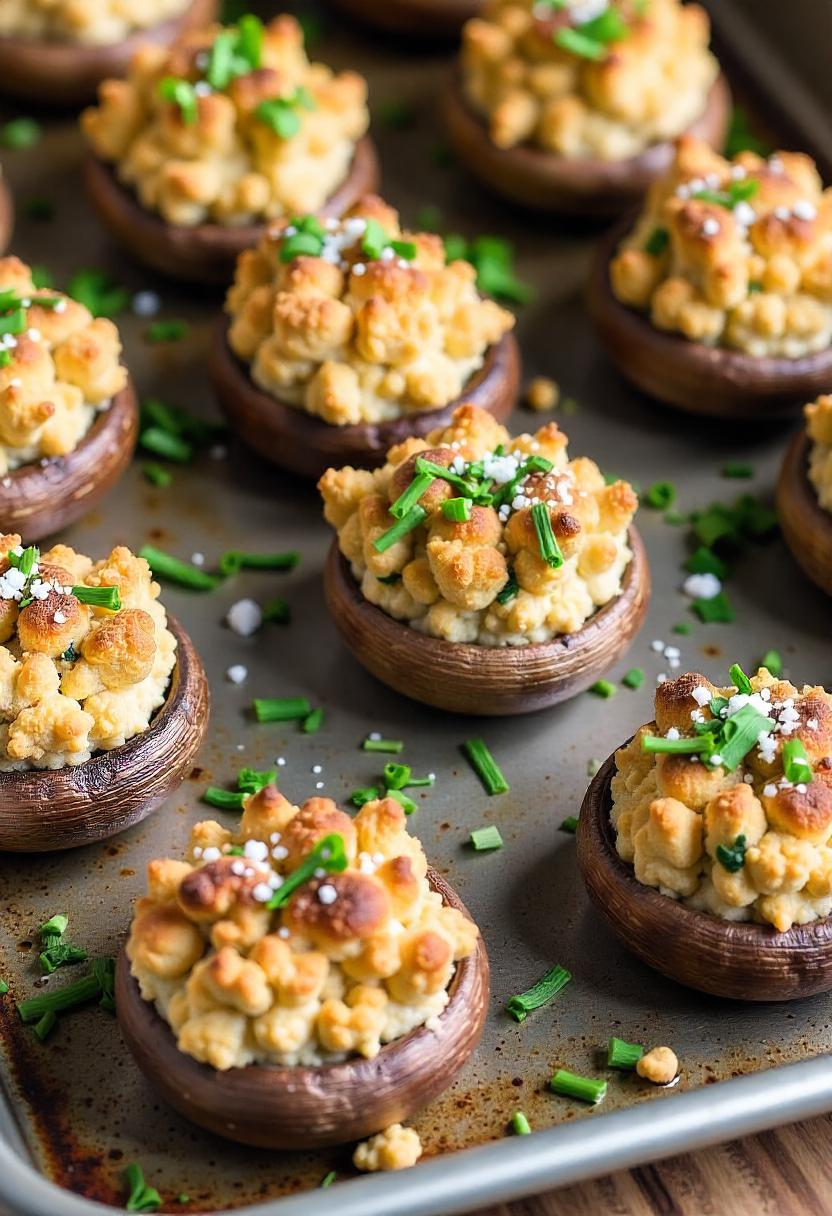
(520, 1124)
(281, 709)
(570, 1085)
(486, 839)
(485, 766)
(797, 767)
(235, 560)
(546, 988)
(549, 547)
(415, 516)
(624, 1055)
(99, 597)
(328, 854)
(171, 568)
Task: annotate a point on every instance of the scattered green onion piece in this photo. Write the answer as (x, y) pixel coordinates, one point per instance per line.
(683, 627)
(277, 612)
(104, 970)
(163, 443)
(99, 597)
(738, 734)
(313, 722)
(439, 470)
(716, 610)
(737, 470)
(739, 679)
(166, 331)
(570, 1085)
(458, 510)
(328, 1179)
(549, 547)
(374, 240)
(404, 800)
(97, 292)
(732, 857)
(772, 660)
(797, 767)
(621, 1054)
(300, 244)
(183, 1198)
(391, 746)
(397, 776)
(223, 800)
(20, 133)
(634, 678)
(415, 516)
(486, 839)
(183, 95)
(56, 926)
(60, 955)
(252, 780)
(141, 1197)
(657, 745)
(421, 781)
(157, 475)
(675, 518)
(485, 766)
(235, 560)
(520, 1124)
(4, 987)
(45, 1025)
(361, 797)
(661, 495)
(657, 242)
(705, 561)
(572, 40)
(546, 988)
(281, 709)
(328, 854)
(510, 590)
(603, 688)
(569, 824)
(406, 250)
(76, 993)
(164, 565)
(409, 498)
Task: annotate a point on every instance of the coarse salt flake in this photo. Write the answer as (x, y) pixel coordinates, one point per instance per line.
(245, 617)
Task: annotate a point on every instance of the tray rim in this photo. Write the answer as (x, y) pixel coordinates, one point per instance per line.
(501, 1171)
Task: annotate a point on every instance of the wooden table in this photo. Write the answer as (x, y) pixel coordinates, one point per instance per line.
(785, 1172)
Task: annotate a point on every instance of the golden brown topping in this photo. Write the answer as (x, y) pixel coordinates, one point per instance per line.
(358, 909)
(317, 818)
(88, 22)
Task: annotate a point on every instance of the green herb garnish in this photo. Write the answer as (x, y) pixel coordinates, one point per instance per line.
(603, 688)
(657, 242)
(547, 542)
(732, 857)
(391, 746)
(546, 988)
(20, 133)
(99, 597)
(281, 709)
(415, 516)
(282, 114)
(223, 800)
(166, 331)
(97, 292)
(163, 443)
(183, 95)
(797, 767)
(569, 824)
(570, 1085)
(624, 1055)
(772, 660)
(661, 495)
(486, 839)
(485, 766)
(328, 854)
(168, 567)
(634, 678)
(141, 1197)
(520, 1124)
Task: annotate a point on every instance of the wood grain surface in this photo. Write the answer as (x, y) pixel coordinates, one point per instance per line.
(786, 1172)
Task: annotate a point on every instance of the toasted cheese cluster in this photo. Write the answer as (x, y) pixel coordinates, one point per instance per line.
(819, 427)
(224, 163)
(396, 1148)
(355, 338)
(648, 86)
(734, 253)
(445, 578)
(95, 22)
(353, 960)
(76, 679)
(678, 821)
(59, 368)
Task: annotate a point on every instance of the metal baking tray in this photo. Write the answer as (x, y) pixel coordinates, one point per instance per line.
(75, 1110)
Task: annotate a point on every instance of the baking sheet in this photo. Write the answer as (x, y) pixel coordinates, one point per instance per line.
(81, 1110)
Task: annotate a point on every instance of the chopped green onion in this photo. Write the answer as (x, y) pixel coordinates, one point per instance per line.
(45, 1025)
(252, 780)
(164, 565)
(520, 1124)
(458, 510)
(166, 331)
(439, 470)
(634, 678)
(485, 766)
(397, 114)
(739, 679)
(182, 94)
(54, 927)
(163, 443)
(546, 988)
(683, 627)
(486, 839)
(157, 475)
(404, 800)
(661, 495)
(397, 776)
(569, 824)
(361, 797)
(313, 722)
(281, 709)
(97, 292)
(572, 40)
(60, 955)
(415, 516)
(4, 987)
(392, 746)
(705, 561)
(104, 970)
(732, 857)
(421, 781)
(223, 800)
(621, 1054)
(277, 612)
(549, 547)
(510, 590)
(141, 1197)
(281, 114)
(328, 1179)
(737, 470)
(675, 518)
(235, 560)
(797, 767)
(716, 610)
(20, 133)
(410, 497)
(570, 1085)
(658, 745)
(772, 660)
(738, 734)
(603, 688)
(406, 250)
(76, 993)
(328, 854)
(374, 240)
(657, 242)
(99, 597)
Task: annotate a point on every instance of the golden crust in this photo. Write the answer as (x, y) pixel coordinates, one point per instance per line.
(317, 818)
(359, 910)
(453, 571)
(85, 22)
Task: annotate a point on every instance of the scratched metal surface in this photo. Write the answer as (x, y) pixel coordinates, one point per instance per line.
(79, 1104)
